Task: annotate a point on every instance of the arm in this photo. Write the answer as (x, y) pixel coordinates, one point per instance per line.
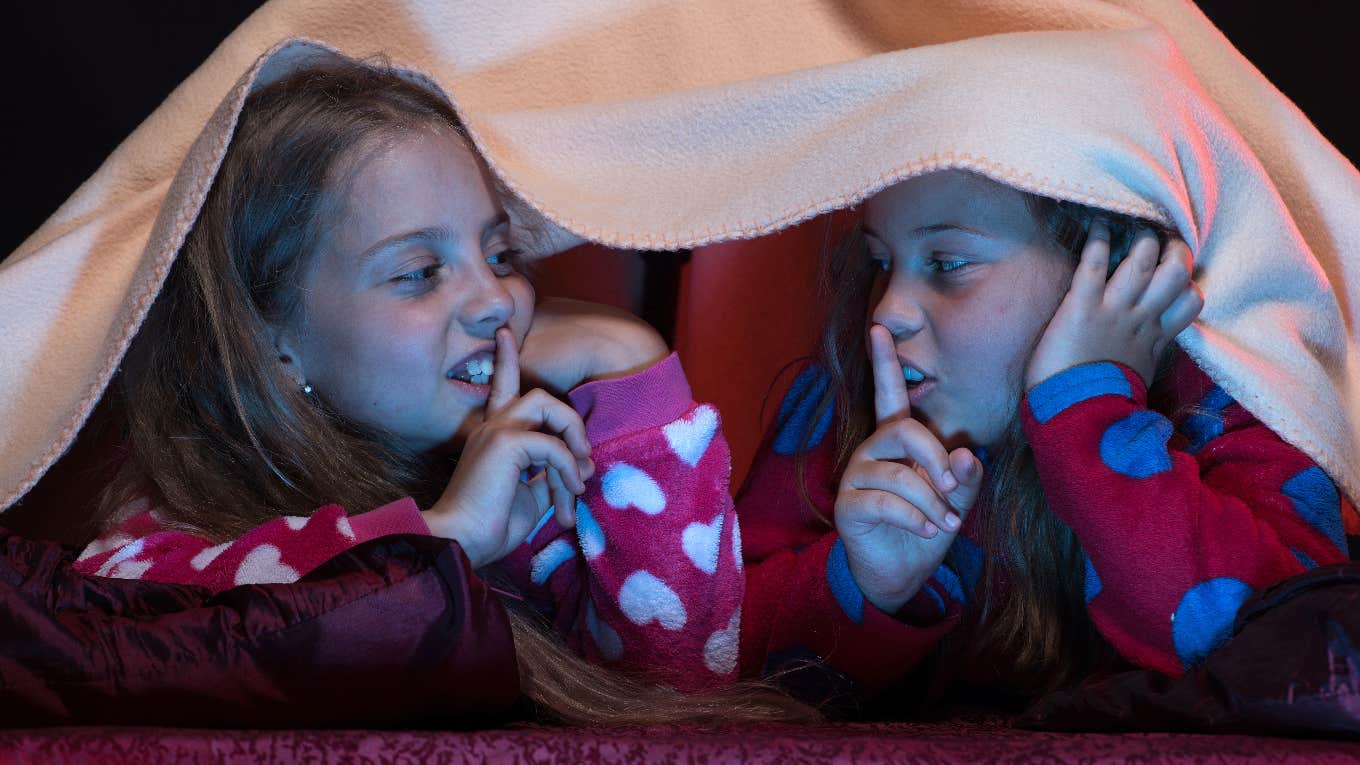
(650, 578)
(1180, 524)
(85, 650)
(802, 602)
(278, 551)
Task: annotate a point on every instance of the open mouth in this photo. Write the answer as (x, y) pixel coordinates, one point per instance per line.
(913, 376)
(477, 370)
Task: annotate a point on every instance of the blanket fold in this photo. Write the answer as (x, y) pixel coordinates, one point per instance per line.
(669, 124)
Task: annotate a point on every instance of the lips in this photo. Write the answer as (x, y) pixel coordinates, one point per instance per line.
(912, 373)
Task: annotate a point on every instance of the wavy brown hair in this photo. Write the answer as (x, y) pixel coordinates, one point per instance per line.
(220, 439)
(1041, 627)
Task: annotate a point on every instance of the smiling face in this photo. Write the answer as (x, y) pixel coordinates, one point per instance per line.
(409, 284)
(969, 284)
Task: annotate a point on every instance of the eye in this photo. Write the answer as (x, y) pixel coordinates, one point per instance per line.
(944, 265)
(882, 261)
(421, 274)
(503, 262)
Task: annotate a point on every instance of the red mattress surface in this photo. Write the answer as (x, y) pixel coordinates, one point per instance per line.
(982, 740)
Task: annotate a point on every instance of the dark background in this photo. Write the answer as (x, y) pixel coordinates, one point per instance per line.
(83, 76)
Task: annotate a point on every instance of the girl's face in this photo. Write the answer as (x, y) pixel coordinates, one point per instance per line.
(409, 284)
(969, 284)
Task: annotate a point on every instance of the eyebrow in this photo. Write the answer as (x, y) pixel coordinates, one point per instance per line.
(934, 228)
(425, 236)
(419, 236)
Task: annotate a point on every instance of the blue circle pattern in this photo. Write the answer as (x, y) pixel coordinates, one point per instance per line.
(965, 561)
(798, 409)
(1136, 445)
(952, 585)
(1316, 499)
(1092, 586)
(935, 596)
(1204, 619)
(1205, 421)
(842, 583)
(1307, 562)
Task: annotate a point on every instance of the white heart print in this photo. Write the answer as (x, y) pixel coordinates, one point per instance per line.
(701, 541)
(625, 485)
(264, 565)
(690, 438)
(645, 599)
(720, 650)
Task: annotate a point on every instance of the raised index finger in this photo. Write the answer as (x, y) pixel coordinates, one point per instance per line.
(505, 372)
(890, 387)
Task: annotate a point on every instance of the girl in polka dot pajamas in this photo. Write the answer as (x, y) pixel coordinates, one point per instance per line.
(336, 356)
(1014, 470)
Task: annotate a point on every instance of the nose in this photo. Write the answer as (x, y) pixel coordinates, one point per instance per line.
(900, 309)
(488, 304)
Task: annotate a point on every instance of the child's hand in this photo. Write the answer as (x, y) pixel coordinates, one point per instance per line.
(1130, 319)
(572, 341)
(487, 508)
(902, 499)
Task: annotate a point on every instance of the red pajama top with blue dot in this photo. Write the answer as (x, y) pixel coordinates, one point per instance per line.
(1184, 503)
(650, 579)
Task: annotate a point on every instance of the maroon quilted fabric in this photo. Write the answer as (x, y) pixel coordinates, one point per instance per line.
(396, 631)
(1292, 668)
(987, 740)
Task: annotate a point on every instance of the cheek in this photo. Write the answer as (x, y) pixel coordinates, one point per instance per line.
(522, 295)
(360, 343)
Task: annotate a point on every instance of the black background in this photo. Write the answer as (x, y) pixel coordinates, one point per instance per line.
(82, 76)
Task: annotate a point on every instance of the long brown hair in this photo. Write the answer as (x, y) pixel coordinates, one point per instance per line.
(1041, 626)
(219, 439)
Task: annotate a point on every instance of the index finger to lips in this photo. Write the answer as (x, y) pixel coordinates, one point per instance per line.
(890, 387)
(505, 372)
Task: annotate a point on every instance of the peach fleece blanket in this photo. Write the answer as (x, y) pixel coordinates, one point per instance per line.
(669, 123)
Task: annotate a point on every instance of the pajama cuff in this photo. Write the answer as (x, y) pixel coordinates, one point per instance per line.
(1076, 384)
(400, 517)
(656, 396)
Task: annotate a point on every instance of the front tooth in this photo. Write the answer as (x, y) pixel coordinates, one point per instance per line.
(487, 368)
(912, 375)
(473, 368)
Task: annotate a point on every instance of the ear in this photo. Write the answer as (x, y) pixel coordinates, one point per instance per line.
(285, 350)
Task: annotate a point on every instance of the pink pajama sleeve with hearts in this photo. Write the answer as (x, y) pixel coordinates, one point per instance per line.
(650, 580)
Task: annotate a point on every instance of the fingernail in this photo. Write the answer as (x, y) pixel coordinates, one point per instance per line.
(947, 481)
(970, 469)
(952, 522)
(930, 530)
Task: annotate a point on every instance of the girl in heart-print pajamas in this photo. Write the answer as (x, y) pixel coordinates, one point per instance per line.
(649, 580)
(335, 356)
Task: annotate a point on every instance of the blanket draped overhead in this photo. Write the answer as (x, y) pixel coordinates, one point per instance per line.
(666, 124)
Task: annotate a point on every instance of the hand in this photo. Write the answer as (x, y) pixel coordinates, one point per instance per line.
(903, 498)
(486, 507)
(571, 342)
(1130, 319)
